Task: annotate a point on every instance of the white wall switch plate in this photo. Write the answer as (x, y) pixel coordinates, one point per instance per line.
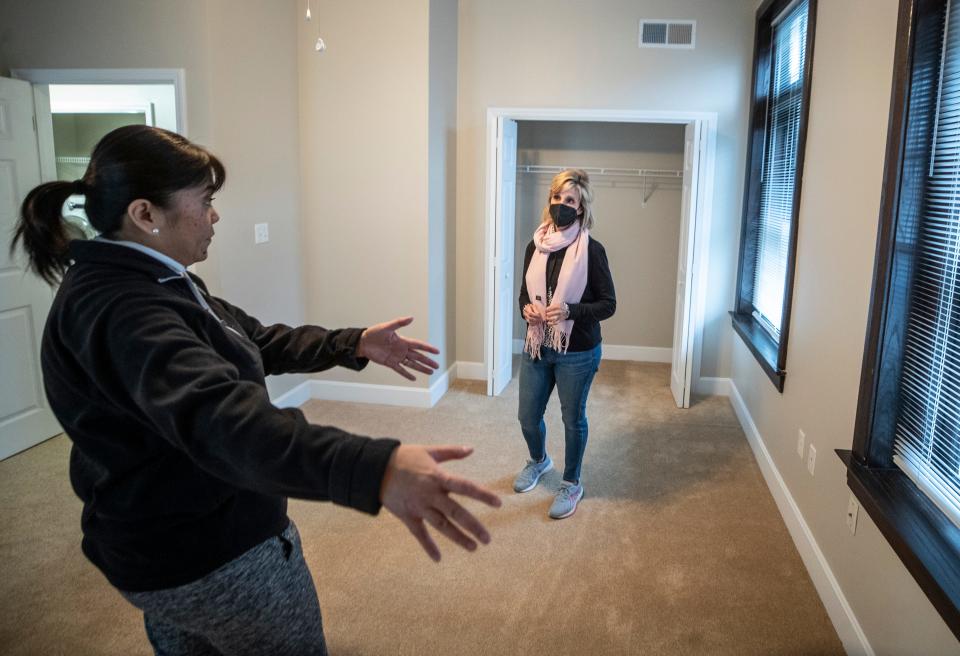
(801, 440)
(811, 459)
(853, 509)
(261, 233)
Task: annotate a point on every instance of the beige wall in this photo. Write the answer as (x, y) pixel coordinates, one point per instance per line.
(365, 110)
(510, 57)
(849, 108)
(642, 241)
(443, 178)
(359, 140)
(241, 89)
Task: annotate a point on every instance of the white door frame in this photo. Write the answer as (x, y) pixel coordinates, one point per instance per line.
(174, 76)
(701, 197)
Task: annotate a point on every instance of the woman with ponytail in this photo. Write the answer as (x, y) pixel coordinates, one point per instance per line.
(567, 290)
(182, 463)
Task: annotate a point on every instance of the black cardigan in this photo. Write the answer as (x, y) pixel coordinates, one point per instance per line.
(599, 300)
(179, 457)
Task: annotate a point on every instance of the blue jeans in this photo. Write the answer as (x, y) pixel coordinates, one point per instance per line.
(571, 374)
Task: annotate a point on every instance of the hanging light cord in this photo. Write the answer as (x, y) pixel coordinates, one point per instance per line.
(319, 45)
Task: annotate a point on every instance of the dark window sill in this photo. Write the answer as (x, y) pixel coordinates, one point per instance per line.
(764, 349)
(921, 535)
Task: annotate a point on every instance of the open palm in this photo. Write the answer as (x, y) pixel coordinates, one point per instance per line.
(382, 344)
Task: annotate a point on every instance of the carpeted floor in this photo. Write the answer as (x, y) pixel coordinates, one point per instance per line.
(677, 547)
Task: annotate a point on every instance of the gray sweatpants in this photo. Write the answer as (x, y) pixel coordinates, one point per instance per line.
(262, 602)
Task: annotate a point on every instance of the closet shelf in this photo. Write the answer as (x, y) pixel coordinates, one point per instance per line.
(62, 159)
(656, 177)
(604, 171)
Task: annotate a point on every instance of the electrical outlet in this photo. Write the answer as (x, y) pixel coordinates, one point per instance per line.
(853, 509)
(261, 233)
(811, 459)
(801, 440)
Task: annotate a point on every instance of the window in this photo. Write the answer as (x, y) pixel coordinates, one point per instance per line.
(781, 91)
(905, 462)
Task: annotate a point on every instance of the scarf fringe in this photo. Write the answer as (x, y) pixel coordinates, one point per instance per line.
(559, 340)
(533, 340)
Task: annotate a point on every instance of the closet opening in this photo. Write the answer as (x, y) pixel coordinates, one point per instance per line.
(51, 118)
(651, 174)
(75, 107)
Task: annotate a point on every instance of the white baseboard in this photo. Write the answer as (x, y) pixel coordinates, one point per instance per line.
(471, 370)
(844, 621)
(331, 390)
(615, 352)
(637, 353)
(295, 397)
(440, 386)
(713, 386)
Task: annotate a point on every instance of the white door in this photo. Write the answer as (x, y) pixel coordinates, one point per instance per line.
(682, 366)
(504, 293)
(25, 418)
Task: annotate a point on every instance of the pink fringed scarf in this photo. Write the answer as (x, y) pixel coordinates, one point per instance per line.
(570, 283)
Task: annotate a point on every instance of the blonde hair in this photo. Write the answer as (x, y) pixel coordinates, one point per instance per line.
(579, 179)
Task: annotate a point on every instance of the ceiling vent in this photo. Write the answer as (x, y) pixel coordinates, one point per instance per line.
(667, 34)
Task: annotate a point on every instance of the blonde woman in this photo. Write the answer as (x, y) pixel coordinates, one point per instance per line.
(567, 291)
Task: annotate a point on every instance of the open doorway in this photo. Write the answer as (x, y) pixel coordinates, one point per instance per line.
(49, 122)
(82, 113)
(652, 173)
(76, 107)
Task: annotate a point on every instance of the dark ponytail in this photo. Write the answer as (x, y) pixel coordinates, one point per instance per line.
(132, 162)
(42, 231)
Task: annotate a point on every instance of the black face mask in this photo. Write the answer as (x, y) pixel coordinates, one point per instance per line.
(562, 215)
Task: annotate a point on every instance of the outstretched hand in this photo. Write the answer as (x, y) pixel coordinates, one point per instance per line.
(382, 344)
(417, 490)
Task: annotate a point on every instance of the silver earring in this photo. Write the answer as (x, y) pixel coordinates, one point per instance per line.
(156, 231)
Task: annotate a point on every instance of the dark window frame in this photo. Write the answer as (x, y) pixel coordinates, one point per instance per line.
(771, 354)
(926, 541)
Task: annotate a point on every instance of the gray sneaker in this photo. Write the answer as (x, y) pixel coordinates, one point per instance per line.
(565, 503)
(527, 479)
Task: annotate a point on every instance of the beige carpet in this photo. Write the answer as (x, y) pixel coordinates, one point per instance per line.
(677, 547)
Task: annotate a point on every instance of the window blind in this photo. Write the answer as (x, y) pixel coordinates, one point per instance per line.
(927, 432)
(778, 171)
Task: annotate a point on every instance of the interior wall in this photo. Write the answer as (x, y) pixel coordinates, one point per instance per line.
(837, 223)
(443, 179)
(509, 58)
(52, 34)
(233, 60)
(641, 239)
(364, 159)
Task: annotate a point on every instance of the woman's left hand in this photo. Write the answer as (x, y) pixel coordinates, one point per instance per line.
(383, 345)
(557, 313)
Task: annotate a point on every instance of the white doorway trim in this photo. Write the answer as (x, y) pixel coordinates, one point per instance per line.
(701, 198)
(174, 76)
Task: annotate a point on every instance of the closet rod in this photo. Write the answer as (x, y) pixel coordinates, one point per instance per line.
(62, 159)
(605, 171)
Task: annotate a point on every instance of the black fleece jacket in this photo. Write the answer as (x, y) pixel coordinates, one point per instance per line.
(599, 300)
(179, 457)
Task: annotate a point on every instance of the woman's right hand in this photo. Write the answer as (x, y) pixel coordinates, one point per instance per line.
(417, 491)
(531, 314)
